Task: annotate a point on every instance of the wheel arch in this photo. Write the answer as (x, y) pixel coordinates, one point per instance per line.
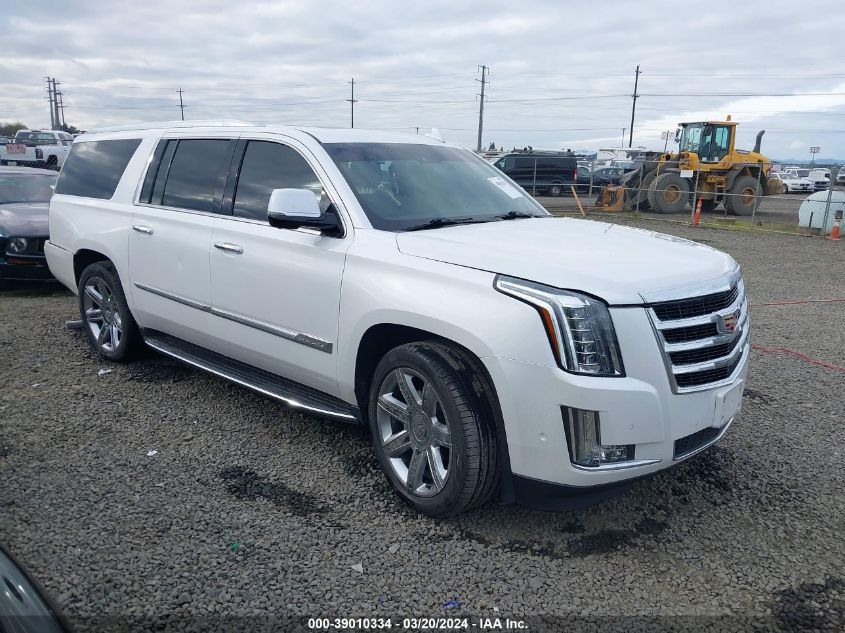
(380, 338)
(85, 257)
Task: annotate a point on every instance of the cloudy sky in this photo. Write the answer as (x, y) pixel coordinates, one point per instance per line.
(562, 73)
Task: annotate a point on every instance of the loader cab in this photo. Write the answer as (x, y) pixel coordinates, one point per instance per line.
(711, 141)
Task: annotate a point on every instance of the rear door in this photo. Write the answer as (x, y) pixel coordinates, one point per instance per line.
(171, 234)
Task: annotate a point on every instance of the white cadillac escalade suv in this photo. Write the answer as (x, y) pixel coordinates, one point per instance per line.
(404, 283)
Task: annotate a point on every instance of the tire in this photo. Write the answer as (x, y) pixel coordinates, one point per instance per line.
(669, 193)
(449, 430)
(103, 309)
(744, 196)
(638, 199)
(556, 189)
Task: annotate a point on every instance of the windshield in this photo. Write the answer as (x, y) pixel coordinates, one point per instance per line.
(404, 185)
(35, 136)
(26, 188)
(802, 173)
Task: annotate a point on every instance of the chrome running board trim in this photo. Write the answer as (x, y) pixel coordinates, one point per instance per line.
(289, 392)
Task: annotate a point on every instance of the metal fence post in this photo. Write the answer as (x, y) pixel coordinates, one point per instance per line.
(592, 169)
(827, 204)
(754, 208)
(695, 194)
(534, 184)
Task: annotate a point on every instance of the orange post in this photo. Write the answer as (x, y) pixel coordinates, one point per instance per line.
(834, 232)
(697, 215)
(580, 208)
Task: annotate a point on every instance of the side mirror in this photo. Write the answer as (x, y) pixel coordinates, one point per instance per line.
(296, 208)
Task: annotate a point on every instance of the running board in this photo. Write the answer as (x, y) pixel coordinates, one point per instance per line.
(291, 393)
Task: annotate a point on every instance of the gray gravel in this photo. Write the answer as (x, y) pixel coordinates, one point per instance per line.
(247, 509)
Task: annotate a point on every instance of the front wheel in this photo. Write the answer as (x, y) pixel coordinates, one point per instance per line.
(431, 434)
(109, 324)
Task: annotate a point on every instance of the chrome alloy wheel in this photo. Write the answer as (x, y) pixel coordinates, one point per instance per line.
(102, 315)
(414, 431)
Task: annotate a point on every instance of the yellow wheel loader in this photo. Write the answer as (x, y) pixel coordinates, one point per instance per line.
(708, 167)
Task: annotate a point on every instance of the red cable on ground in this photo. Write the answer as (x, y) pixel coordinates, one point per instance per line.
(804, 357)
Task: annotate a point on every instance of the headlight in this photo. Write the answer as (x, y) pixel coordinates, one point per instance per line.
(16, 245)
(578, 327)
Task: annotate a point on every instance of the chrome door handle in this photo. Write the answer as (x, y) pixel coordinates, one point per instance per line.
(146, 230)
(229, 247)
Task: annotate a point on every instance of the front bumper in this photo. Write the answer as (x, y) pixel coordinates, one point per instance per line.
(25, 268)
(639, 409)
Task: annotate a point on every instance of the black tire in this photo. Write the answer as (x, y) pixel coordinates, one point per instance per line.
(744, 196)
(669, 193)
(556, 189)
(113, 310)
(637, 198)
(462, 392)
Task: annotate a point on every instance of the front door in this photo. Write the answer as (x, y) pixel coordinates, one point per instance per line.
(275, 293)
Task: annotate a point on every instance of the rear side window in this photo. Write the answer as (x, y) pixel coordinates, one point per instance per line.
(197, 174)
(93, 168)
(267, 166)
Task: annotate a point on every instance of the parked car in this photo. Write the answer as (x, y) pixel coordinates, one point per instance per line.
(24, 605)
(541, 173)
(820, 179)
(608, 176)
(793, 183)
(840, 176)
(24, 203)
(403, 282)
(37, 148)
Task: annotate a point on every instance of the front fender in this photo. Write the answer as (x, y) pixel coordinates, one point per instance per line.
(452, 302)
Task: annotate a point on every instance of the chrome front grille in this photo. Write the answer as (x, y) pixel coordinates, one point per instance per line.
(703, 338)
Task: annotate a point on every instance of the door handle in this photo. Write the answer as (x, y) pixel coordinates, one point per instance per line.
(146, 230)
(229, 247)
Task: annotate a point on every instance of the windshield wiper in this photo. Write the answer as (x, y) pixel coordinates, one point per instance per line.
(516, 215)
(436, 223)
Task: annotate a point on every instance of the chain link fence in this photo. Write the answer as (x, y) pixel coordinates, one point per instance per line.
(743, 199)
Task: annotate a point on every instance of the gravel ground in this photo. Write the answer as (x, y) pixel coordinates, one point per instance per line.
(250, 510)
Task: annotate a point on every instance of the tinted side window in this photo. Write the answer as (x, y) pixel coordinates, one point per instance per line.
(267, 166)
(197, 174)
(93, 168)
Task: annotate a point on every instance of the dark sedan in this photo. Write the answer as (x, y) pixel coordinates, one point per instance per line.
(24, 202)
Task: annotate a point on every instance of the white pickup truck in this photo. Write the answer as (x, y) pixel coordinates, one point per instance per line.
(37, 148)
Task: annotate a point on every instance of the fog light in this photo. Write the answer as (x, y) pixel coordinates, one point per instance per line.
(583, 435)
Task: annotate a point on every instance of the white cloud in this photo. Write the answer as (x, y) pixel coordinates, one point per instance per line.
(415, 65)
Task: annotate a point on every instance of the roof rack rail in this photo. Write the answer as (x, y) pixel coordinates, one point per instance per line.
(154, 125)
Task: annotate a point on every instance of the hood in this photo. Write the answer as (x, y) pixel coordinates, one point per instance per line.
(26, 219)
(620, 264)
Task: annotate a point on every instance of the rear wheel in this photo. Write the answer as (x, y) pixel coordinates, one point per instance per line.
(430, 432)
(556, 189)
(109, 324)
(669, 193)
(744, 196)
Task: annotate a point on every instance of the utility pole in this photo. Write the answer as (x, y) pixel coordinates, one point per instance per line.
(56, 101)
(623, 137)
(60, 105)
(481, 107)
(352, 101)
(50, 99)
(633, 107)
(181, 103)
